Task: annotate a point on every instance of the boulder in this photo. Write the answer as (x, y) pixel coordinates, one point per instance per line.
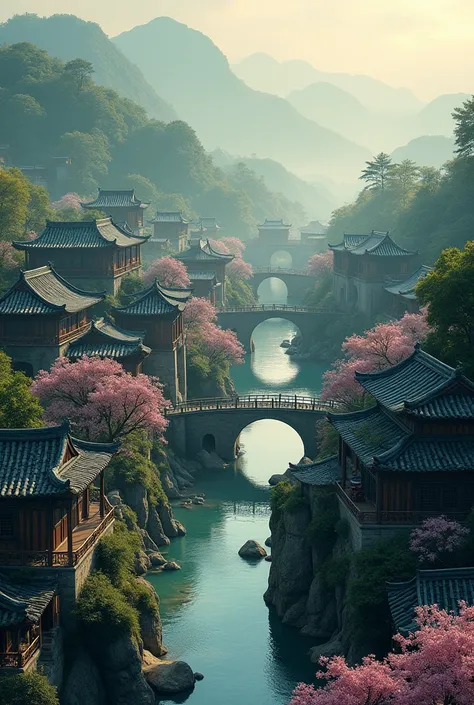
(83, 685)
(210, 461)
(171, 491)
(121, 669)
(268, 542)
(252, 549)
(275, 479)
(142, 563)
(156, 559)
(330, 648)
(155, 528)
(268, 559)
(148, 659)
(198, 500)
(170, 677)
(148, 542)
(198, 676)
(171, 565)
(180, 528)
(114, 498)
(150, 620)
(167, 521)
(285, 344)
(135, 495)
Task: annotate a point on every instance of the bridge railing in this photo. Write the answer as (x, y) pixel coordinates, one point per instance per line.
(281, 270)
(275, 307)
(253, 401)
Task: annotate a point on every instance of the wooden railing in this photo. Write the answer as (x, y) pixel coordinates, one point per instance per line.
(59, 559)
(19, 659)
(253, 401)
(282, 270)
(276, 307)
(392, 518)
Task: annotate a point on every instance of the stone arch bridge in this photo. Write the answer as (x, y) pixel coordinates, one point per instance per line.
(244, 320)
(216, 424)
(297, 281)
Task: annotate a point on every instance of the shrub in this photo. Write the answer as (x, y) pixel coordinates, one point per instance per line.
(116, 555)
(103, 613)
(334, 571)
(27, 689)
(321, 532)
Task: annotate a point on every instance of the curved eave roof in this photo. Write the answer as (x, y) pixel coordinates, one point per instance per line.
(202, 252)
(429, 454)
(406, 288)
(119, 198)
(321, 474)
(24, 601)
(82, 234)
(105, 339)
(157, 300)
(378, 244)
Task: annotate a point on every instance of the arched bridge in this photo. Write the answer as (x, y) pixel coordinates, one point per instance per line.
(297, 281)
(244, 320)
(216, 424)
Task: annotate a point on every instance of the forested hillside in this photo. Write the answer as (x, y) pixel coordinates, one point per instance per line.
(68, 37)
(428, 209)
(188, 70)
(48, 108)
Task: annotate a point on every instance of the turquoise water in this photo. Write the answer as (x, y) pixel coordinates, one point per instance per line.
(213, 613)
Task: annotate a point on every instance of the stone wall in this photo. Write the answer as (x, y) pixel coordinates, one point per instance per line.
(34, 357)
(366, 535)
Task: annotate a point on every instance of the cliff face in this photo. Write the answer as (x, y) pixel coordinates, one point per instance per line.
(308, 576)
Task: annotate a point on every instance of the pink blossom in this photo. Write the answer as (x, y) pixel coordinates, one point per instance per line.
(239, 269)
(320, 264)
(437, 537)
(216, 344)
(69, 200)
(198, 313)
(101, 400)
(434, 666)
(340, 385)
(7, 256)
(229, 245)
(168, 271)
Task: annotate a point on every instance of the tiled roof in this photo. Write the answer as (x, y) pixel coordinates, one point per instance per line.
(448, 453)
(161, 240)
(314, 227)
(202, 251)
(25, 600)
(195, 276)
(169, 217)
(413, 380)
(209, 223)
(44, 291)
(82, 234)
(377, 243)
(119, 198)
(105, 339)
(326, 472)
(274, 225)
(31, 462)
(157, 300)
(446, 588)
(446, 406)
(369, 432)
(406, 288)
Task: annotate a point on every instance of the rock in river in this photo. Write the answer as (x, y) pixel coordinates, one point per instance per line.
(252, 549)
(171, 565)
(174, 677)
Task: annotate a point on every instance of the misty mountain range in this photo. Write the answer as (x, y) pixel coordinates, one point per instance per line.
(323, 126)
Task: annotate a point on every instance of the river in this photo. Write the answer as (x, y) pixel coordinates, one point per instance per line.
(213, 613)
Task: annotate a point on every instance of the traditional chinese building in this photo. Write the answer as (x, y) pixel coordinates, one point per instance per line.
(362, 263)
(93, 254)
(159, 312)
(210, 226)
(205, 285)
(408, 457)
(314, 235)
(106, 340)
(122, 206)
(201, 257)
(445, 587)
(170, 225)
(401, 297)
(40, 315)
(273, 232)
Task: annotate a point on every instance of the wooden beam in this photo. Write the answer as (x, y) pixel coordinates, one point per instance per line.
(102, 494)
(378, 496)
(49, 532)
(69, 533)
(344, 464)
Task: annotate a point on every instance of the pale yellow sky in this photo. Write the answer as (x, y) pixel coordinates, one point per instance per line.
(422, 44)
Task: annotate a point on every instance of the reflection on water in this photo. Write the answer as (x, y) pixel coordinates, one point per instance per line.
(213, 613)
(272, 291)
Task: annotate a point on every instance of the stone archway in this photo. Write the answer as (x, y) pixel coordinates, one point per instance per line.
(281, 258)
(277, 340)
(277, 285)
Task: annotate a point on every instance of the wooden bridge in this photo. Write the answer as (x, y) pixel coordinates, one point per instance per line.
(216, 424)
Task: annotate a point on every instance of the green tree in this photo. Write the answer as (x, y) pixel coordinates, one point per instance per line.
(38, 209)
(377, 172)
(18, 407)
(80, 71)
(90, 157)
(27, 689)
(14, 199)
(449, 293)
(144, 188)
(464, 128)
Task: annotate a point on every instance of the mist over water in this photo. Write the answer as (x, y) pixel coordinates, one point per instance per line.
(213, 613)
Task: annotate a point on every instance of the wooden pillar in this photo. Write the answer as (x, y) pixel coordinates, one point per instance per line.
(102, 494)
(69, 532)
(378, 496)
(49, 533)
(344, 463)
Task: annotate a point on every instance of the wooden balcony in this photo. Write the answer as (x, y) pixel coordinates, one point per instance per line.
(84, 536)
(20, 659)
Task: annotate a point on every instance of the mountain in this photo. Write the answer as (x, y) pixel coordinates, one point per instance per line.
(264, 73)
(189, 71)
(436, 117)
(317, 201)
(68, 37)
(428, 150)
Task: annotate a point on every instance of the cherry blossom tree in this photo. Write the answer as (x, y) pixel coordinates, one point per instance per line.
(69, 200)
(382, 346)
(216, 344)
(168, 271)
(433, 666)
(238, 268)
(101, 400)
(199, 312)
(437, 539)
(320, 264)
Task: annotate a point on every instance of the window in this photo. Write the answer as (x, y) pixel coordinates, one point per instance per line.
(429, 497)
(7, 527)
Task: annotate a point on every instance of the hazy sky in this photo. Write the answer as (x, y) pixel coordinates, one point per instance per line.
(423, 44)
